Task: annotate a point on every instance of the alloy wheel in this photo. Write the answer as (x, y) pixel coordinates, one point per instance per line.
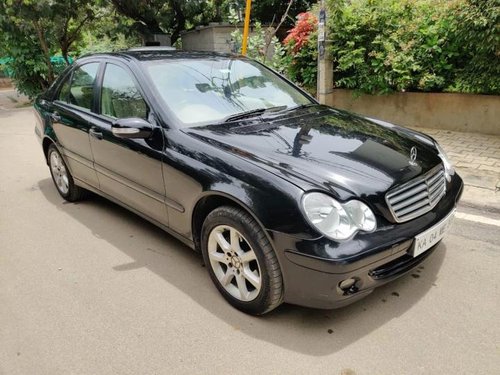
(234, 263)
(59, 172)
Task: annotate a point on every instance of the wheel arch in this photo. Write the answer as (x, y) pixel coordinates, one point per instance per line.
(209, 202)
(47, 141)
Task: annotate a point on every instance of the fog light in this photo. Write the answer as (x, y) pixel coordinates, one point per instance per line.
(348, 286)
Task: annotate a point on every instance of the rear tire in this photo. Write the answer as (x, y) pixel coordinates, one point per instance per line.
(241, 261)
(62, 178)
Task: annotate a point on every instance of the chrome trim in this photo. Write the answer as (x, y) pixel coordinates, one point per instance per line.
(418, 196)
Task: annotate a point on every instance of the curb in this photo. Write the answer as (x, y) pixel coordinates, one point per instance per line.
(482, 189)
(485, 200)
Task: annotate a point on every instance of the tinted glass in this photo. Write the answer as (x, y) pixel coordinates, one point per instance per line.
(64, 92)
(201, 91)
(120, 97)
(82, 85)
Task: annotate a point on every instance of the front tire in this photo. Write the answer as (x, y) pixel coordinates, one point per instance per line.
(241, 261)
(62, 177)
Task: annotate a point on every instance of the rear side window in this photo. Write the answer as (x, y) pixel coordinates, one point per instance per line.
(120, 97)
(64, 92)
(80, 90)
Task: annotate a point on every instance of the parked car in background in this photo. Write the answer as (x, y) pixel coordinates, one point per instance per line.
(286, 199)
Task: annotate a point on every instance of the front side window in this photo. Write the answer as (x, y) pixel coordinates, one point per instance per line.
(203, 91)
(81, 90)
(120, 97)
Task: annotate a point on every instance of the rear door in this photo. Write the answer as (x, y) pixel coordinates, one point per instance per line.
(128, 169)
(71, 116)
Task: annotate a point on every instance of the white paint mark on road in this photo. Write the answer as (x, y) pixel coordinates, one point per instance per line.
(477, 219)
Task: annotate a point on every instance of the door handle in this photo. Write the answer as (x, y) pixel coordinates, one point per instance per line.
(95, 133)
(55, 117)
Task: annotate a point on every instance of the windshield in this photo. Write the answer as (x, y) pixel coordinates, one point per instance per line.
(207, 91)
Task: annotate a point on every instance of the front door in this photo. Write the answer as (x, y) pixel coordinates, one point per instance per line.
(128, 169)
(71, 113)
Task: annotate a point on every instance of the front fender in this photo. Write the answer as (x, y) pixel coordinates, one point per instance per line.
(194, 171)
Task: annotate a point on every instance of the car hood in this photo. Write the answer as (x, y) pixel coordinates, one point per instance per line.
(319, 147)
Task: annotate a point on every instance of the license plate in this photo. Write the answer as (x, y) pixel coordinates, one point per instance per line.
(425, 240)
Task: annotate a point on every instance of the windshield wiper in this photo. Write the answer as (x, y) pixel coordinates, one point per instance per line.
(253, 113)
(241, 115)
(304, 106)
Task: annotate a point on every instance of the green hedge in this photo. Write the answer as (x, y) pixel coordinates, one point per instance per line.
(379, 46)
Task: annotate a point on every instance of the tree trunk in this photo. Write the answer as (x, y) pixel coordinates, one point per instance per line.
(67, 39)
(146, 23)
(218, 10)
(271, 33)
(64, 53)
(45, 49)
(181, 21)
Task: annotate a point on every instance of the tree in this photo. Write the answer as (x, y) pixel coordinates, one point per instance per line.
(272, 11)
(146, 13)
(76, 15)
(174, 16)
(25, 63)
(32, 31)
(167, 16)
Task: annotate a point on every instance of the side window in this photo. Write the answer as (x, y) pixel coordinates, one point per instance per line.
(120, 97)
(80, 92)
(64, 91)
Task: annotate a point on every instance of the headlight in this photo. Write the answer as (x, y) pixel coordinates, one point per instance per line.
(336, 220)
(448, 166)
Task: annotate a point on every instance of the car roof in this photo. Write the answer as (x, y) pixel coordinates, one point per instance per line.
(152, 48)
(163, 54)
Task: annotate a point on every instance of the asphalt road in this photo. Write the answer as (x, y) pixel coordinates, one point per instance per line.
(90, 288)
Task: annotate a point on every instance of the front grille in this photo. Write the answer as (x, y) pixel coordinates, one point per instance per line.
(418, 196)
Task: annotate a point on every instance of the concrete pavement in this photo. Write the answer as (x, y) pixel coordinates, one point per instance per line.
(11, 99)
(90, 288)
(480, 152)
(476, 157)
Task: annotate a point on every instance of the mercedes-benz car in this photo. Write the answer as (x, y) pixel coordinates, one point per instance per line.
(286, 199)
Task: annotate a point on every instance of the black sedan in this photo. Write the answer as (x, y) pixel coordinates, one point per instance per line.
(287, 200)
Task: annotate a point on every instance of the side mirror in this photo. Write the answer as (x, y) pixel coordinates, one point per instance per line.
(132, 127)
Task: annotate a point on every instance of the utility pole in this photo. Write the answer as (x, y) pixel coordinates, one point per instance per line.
(325, 64)
(244, 42)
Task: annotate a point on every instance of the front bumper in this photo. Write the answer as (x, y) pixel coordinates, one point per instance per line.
(313, 269)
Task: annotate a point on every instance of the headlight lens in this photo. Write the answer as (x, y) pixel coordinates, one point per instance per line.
(336, 220)
(449, 170)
